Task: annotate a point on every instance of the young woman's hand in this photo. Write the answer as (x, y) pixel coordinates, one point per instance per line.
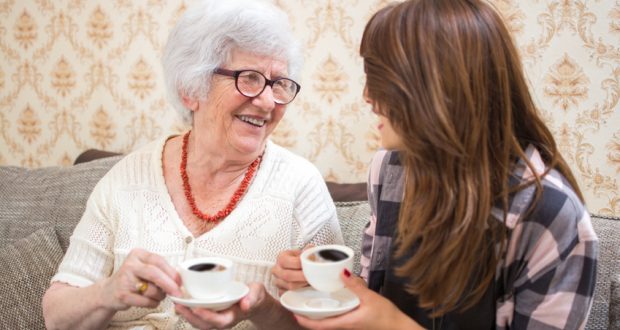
(374, 311)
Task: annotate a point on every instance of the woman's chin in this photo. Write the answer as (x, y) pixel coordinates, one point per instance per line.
(250, 147)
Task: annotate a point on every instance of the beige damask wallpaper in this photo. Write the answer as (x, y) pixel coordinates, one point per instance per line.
(78, 74)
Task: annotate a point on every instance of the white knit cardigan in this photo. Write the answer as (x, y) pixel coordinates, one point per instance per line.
(286, 206)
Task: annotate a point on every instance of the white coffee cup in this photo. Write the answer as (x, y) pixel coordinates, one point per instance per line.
(322, 266)
(207, 277)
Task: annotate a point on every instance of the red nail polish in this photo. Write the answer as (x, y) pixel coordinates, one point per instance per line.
(347, 273)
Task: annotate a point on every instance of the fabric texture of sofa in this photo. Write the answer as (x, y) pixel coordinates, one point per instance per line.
(39, 209)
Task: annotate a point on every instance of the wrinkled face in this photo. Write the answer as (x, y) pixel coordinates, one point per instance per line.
(231, 120)
(389, 138)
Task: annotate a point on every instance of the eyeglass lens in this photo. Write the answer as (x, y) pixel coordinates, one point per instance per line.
(252, 83)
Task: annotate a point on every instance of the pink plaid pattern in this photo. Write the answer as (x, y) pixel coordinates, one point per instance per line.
(546, 280)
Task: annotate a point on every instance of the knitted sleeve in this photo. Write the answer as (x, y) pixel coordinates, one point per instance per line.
(89, 256)
(316, 212)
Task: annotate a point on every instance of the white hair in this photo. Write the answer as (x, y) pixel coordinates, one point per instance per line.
(208, 31)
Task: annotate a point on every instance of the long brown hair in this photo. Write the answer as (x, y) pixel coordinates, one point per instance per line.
(449, 79)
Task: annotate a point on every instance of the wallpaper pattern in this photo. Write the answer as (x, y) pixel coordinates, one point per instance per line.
(77, 74)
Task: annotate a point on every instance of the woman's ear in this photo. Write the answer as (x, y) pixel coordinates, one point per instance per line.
(190, 103)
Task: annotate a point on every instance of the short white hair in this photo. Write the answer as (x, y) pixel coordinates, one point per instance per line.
(208, 31)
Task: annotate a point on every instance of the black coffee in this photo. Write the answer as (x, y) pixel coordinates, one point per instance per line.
(204, 267)
(329, 255)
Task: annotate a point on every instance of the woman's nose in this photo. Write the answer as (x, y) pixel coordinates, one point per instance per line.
(365, 96)
(265, 99)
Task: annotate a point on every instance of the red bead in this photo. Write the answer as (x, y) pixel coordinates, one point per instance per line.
(241, 190)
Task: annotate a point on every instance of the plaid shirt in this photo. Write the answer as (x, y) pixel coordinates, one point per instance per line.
(547, 277)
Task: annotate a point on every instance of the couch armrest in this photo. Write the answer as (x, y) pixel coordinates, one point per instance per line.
(614, 303)
(605, 301)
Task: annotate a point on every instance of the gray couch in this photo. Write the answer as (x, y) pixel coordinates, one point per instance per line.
(39, 209)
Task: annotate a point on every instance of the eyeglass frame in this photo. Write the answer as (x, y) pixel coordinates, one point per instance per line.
(235, 74)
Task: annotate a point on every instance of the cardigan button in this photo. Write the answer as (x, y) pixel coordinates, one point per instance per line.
(188, 239)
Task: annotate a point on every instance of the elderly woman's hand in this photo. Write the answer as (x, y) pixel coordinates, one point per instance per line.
(143, 280)
(287, 271)
(254, 303)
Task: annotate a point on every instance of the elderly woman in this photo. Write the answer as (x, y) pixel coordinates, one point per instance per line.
(221, 189)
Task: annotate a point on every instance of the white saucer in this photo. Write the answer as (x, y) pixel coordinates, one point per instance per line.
(235, 292)
(318, 305)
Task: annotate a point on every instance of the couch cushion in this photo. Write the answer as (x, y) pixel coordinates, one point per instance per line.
(52, 196)
(353, 217)
(608, 265)
(26, 267)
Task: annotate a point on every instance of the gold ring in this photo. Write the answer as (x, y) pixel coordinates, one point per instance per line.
(141, 287)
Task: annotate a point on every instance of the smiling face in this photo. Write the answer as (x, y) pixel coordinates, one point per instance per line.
(233, 121)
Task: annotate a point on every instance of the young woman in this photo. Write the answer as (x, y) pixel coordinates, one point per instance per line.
(477, 222)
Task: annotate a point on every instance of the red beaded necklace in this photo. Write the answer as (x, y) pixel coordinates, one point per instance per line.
(221, 214)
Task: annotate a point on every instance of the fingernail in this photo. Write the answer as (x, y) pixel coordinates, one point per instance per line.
(347, 273)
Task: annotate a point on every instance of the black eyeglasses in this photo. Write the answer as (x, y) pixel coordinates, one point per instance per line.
(252, 83)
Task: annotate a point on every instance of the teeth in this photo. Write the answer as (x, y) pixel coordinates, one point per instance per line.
(253, 121)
